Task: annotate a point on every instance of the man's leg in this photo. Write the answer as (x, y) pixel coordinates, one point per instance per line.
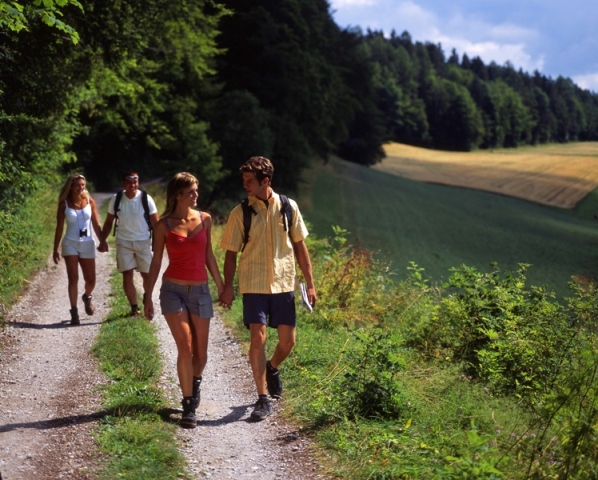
(257, 359)
(257, 356)
(286, 342)
(129, 286)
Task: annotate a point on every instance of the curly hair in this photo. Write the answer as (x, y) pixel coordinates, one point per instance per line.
(260, 166)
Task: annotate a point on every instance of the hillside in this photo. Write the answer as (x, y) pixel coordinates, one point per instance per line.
(559, 175)
(440, 227)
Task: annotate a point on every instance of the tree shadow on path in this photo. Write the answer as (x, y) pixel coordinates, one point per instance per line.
(54, 422)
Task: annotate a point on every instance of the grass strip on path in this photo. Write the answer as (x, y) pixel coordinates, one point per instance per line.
(138, 443)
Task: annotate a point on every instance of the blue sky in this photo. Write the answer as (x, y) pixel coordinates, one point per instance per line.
(553, 37)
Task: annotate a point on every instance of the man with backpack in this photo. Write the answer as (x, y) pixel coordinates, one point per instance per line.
(268, 230)
(134, 214)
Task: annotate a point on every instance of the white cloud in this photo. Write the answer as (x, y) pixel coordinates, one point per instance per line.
(490, 51)
(499, 42)
(589, 81)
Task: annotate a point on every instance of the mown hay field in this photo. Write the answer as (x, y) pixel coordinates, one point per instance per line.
(559, 175)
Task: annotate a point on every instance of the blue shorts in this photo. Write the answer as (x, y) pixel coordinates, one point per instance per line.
(195, 298)
(270, 309)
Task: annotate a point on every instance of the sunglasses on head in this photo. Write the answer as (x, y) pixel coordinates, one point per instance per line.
(132, 178)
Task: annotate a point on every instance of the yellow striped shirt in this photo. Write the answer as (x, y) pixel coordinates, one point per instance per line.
(267, 265)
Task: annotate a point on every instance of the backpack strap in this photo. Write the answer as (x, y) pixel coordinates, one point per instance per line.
(247, 212)
(146, 214)
(287, 213)
(119, 196)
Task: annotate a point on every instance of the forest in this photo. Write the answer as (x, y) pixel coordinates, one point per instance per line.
(202, 85)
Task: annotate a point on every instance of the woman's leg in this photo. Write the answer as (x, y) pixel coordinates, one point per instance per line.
(72, 272)
(201, 333)
(88, 267)
(180, 327)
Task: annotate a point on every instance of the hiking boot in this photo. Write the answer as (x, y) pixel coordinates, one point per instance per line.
(89, 308)
(196, 391)
(188, 419)
(273, 381)
(74, 316)
(135, 311)
(262, 409)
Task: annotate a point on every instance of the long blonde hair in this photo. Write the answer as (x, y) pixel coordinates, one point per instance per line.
(66, 188)
(177, 184)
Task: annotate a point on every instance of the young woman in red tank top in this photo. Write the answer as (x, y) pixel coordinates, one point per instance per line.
(184, 295)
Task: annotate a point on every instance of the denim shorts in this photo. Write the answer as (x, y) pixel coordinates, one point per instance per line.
(195, 298)
(270, 309)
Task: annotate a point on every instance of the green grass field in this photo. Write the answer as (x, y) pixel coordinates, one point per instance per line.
(440, 227)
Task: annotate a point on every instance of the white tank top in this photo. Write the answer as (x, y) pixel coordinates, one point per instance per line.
(78, 222)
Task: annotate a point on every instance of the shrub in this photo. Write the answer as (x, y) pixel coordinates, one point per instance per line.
(368, 388)
(515, 337)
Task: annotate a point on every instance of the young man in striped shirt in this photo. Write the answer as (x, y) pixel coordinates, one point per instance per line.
(266, 275)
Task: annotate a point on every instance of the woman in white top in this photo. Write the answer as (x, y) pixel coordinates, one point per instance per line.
(76, 206)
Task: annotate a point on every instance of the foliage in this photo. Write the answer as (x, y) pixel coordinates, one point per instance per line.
(463, 104)
(25, 240)
(368, 388)
(381, 402)
(516, 338)
(16, 16)
(311, 80)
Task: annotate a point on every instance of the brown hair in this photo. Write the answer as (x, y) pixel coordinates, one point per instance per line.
(260, 166)
(65, 191)
(177, 184)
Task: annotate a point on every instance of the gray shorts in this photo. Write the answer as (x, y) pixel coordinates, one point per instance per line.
(195, 298)
(85, 249)
(130, 255)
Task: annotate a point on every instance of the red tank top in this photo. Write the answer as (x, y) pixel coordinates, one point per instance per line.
(186, 256)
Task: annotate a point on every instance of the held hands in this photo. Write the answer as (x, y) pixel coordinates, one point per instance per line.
(103, 247)
(148, 308)
(226, 297)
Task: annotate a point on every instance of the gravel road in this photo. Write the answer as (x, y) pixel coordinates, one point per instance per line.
(50, 404)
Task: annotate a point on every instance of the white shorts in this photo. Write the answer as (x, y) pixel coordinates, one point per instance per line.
(130, 255)
(85, 249)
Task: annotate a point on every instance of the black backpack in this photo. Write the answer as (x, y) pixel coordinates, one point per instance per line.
(285, 211)
(146, 213)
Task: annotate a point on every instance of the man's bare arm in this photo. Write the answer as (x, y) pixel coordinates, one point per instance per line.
(304, 262)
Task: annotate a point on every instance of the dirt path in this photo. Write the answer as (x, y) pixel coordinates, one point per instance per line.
(49, 403)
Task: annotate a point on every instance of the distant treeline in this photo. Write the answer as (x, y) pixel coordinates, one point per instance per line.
(461, 104)
(164, 86)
